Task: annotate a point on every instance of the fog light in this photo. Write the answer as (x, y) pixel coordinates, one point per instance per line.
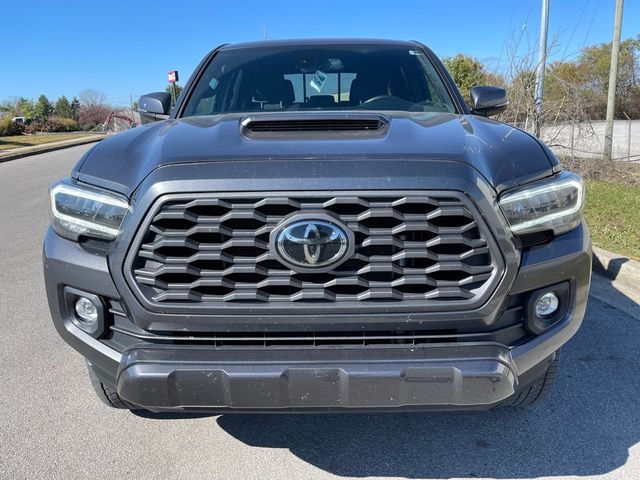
(547, 305)
(86, 310)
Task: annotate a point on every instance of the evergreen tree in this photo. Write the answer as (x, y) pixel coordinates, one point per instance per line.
(63, 108)
(75, 108)
(43, 108)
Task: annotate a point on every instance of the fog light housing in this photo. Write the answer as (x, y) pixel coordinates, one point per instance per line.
(86, 310)
(547, 305)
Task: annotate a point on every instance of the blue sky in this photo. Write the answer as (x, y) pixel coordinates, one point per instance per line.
(126, 48)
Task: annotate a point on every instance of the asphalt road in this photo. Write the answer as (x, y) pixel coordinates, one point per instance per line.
(51, 426)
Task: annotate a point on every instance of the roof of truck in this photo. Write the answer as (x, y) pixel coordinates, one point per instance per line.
(320, 41)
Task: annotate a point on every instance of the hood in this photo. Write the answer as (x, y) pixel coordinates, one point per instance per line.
(503, 155)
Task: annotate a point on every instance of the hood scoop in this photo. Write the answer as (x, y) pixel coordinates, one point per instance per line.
(315, 126)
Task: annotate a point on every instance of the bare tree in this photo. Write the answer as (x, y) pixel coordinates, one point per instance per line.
(93, 116)
(91, 97)
(575, 101)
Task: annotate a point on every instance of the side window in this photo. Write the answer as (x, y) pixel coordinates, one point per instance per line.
(439, 97)
(435, 97)
(207, 99)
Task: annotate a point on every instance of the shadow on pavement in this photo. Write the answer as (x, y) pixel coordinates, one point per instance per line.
(585, 427)
(610, 271)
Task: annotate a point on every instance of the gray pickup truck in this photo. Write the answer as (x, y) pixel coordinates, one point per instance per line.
(319, 225)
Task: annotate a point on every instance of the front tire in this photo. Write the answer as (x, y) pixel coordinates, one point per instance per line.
(106, 394)
(538, 389)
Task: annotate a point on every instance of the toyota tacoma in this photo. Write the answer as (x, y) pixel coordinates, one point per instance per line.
(319, 225)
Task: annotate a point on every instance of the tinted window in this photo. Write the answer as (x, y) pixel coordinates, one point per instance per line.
(351, 77)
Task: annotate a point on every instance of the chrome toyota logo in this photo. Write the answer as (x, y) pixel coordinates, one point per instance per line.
(312, 244)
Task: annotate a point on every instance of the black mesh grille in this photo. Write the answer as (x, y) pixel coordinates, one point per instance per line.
(316, 125)
(212, 251)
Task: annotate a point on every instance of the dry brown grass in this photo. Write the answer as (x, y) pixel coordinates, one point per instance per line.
(620, 172)
(17, 141)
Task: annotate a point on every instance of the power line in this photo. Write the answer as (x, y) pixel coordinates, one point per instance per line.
(523, 28)
(506, 37)
(590, 24)
(586, 37)
(584, 8)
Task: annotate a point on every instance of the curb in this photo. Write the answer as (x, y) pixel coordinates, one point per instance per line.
(617, 268)
(50, 148)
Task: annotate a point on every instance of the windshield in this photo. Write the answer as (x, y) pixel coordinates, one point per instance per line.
(319, 78)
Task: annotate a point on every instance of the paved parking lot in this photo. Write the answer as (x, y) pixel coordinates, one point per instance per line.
(51, 426)
(587, 139)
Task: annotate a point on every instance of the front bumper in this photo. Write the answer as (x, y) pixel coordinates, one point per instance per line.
(467, 376)
(462, 375)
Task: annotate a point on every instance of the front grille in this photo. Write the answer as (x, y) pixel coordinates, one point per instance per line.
(508, 335)
(213, 251)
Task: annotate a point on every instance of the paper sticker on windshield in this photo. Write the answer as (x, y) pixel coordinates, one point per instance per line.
(317, 82)
(414, 52)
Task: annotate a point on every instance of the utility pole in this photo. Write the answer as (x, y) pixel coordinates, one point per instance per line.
(542, 62)
(613, 80)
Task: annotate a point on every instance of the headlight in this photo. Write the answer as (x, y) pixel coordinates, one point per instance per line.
(554, 204)
(84, 211)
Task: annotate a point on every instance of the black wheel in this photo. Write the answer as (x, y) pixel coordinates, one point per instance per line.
(107, 394)
(538, 389)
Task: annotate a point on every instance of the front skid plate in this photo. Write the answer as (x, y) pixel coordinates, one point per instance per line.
(463, 376)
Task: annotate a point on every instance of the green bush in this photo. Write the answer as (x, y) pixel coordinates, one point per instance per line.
(67, 124)
(8, 127)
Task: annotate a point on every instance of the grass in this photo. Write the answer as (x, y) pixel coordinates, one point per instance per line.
(613, 215)
(16, 141)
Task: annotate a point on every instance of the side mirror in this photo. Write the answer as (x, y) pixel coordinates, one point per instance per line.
(488, 101)
(154, 106)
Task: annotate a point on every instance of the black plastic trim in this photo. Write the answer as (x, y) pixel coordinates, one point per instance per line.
(71, 295)
(565, 295)
(177, 378)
